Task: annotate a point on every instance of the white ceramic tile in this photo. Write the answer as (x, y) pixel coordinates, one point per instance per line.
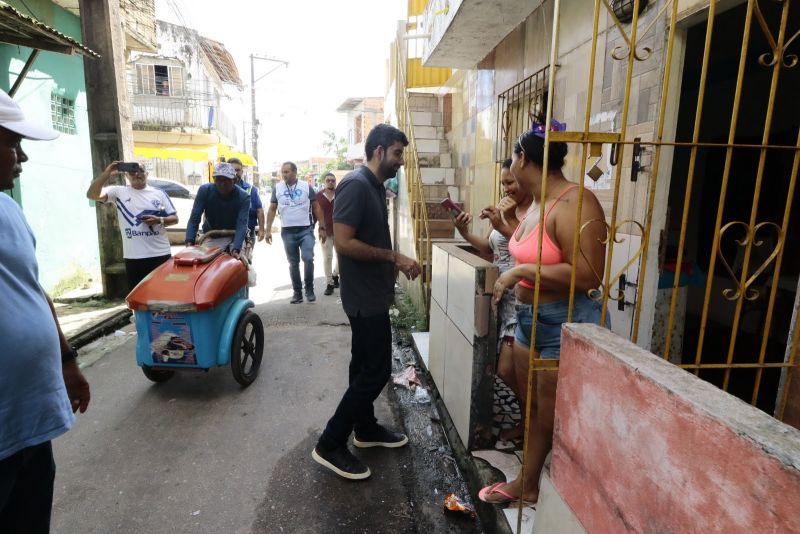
(426, 132)
(461, 296)
(433, 175)
(455, 193)
(422, 343)
(437, 346)
(552, 513)
(506, 463)
(439, 276)
(422, 118)
(428, 145)
(458, 380)
(528, 517)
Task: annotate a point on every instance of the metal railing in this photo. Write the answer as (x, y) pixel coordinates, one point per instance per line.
(187, 109)
(416, 193)
(518, 107)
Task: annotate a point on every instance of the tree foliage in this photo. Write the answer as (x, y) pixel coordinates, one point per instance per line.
(338, 148)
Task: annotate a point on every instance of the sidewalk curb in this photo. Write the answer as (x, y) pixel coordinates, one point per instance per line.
(491, 516)
(100, 329)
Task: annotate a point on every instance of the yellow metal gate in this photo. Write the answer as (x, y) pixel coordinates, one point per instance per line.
(720, 146)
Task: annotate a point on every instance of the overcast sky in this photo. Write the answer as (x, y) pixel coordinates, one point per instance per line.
(335, 49)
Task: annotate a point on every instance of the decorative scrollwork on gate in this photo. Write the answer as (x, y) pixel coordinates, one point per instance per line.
(611, 236)
(750, 235)
(777, 53)
(623, 52)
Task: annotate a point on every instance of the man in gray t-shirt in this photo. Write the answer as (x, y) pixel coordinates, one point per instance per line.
(367, 265)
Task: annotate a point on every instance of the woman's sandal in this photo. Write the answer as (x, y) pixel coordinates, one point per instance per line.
(495, 494)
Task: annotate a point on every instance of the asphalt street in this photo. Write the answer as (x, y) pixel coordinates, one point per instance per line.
(200, 454)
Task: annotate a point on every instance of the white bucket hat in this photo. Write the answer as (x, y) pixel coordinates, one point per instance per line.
(12, 118)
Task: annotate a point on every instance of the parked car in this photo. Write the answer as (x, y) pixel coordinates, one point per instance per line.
(183, 200)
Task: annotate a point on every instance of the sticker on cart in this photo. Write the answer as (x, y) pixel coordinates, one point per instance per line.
(172, 339)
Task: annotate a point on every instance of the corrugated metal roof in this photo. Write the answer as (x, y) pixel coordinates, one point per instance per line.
(222, 60)
(20, 29)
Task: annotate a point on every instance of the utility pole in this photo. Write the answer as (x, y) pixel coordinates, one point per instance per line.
(253, 81)
(109, 124)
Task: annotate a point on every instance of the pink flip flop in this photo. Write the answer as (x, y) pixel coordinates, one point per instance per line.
(505, 497)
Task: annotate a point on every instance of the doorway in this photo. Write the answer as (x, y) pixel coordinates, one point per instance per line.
(710, 326)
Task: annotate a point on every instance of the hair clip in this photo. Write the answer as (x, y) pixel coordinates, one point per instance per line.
(539, 131)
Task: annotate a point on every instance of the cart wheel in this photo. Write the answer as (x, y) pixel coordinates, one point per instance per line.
(247, 348)
(157, 375)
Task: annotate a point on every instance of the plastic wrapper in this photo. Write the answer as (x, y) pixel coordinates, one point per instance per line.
(453, 503)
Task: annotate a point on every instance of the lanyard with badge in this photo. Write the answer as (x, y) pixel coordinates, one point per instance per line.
(290, 193)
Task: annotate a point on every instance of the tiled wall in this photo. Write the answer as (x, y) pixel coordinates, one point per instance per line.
(463, 340)
(526, 50)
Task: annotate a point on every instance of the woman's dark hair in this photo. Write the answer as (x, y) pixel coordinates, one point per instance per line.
(533, 147)
(507, 164)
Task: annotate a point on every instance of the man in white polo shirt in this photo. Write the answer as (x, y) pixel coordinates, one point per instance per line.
(143, 213)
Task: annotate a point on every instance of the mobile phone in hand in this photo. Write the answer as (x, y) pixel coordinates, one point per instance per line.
(128, 167)
(455, 211)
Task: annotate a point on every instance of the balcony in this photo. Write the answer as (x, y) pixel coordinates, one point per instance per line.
(463, 32)
(165, 108)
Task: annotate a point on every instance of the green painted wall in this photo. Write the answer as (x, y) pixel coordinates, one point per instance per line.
(52, 187)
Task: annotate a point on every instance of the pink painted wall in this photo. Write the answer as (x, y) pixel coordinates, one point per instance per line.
(642, 446)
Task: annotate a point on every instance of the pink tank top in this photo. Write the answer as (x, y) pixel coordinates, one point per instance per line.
(526, 249)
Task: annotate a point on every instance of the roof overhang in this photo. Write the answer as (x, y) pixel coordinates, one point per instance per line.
(349, 104)
(463, 32)
(19, 29)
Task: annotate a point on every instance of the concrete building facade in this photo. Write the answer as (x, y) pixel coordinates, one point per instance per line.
(188, 105)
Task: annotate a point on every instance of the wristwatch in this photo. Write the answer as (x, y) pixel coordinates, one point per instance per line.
(70, 355)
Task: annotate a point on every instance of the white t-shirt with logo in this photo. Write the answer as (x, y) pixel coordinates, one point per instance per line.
(294, 203)
(140, 240)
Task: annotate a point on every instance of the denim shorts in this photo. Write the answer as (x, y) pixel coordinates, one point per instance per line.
(548, 323)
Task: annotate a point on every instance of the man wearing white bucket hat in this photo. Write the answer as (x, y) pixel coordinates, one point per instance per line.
(41, 385)
(143, 214)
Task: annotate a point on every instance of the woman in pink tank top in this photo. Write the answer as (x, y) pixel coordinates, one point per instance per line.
(504, 217)
(555, 268)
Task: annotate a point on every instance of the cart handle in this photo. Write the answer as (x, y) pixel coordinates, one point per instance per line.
(215, 233)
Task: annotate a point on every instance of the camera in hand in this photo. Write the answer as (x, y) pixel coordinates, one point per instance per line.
(129, 167)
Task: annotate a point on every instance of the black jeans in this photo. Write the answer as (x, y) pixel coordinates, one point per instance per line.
(370, 368)
(137, 269)
(26, 490)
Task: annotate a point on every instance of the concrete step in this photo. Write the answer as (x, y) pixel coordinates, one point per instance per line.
(428, 132)
(435, 159)
(441, 228)
(423, 102)
(439, 146)
(435, 193)
(426, 118)
(437, 212)
(438, 176)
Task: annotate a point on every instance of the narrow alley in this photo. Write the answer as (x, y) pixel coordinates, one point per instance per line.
(200, 454)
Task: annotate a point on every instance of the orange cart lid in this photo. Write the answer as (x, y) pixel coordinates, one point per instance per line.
(196, 279)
